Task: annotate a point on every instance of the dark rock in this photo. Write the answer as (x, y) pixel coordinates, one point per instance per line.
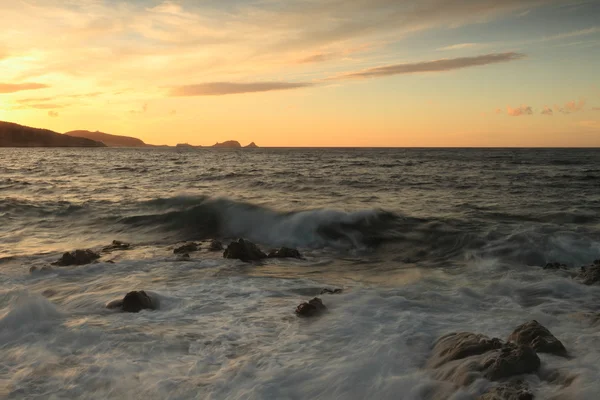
(137, 301)
(215, 245)
(512, 359)
(33, 269)
(244, 250)
(117, 245)
(313, 308)
(517, 390)
(331, 291)
(183, 257)
(46, 268)
(77, 257)
(186, 248)
(539, 338)
(591, 274)
(456, 346)
(285, 252)
(555, 266)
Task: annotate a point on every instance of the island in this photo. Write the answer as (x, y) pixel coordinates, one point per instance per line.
(251, 146)
(230, 144)
(15, 135)
(108, 139)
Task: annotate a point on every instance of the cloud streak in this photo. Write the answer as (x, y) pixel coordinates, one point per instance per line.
(547, 111)
(519, 111)
(459, 46)
(225, 88)
(17, 87)
(443, 65)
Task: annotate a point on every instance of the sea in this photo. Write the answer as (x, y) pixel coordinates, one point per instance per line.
(423, 242)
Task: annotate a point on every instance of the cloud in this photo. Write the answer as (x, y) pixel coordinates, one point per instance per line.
(571, 107)
(595, 108)
(224, 88)
(316, 58)
(442, 65)
(52, 114)
(459, 46)
(589, 124)
(140, 111)
(519, 111)
(547, 111)
(17, 87)
(499, 111)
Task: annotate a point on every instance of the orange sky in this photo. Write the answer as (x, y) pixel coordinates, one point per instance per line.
(305, 73)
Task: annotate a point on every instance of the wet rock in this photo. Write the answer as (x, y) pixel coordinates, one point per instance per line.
(331, 291)
(215, 245)
(77, 257)
(186, 248)
(555, 266)
(183, 257)
(510, 360)
(244, 250)
(134, 302)
(535, 335)
(33, 270)
(591, 274)
(117, 245)
(313, 308)
(456, 346)
(285, 252)
(517, 390)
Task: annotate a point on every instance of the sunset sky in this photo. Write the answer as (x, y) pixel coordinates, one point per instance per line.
(307, 72)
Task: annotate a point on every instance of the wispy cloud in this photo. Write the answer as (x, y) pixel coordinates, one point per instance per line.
(547, 111)
(572, 34)
(17, 87)
(224, 88)
(52, 114)
(459, 46)
(442, 65)
(316, 58)
(590, 124)
(595, 108)
(519, 111)
(571, 107)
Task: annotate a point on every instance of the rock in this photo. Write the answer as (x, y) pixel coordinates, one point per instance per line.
(456, 346)
(186, 248)
(244, 250)
(555, 266)
(285, 252)
(331, 291)
(183, 257)
(517, 390)
(134, 302)
(464, 357)
(313, 308)
(215, 245)
(77, 257)
(591, 274)
(117, 245)
(535, 335)
(33, 270)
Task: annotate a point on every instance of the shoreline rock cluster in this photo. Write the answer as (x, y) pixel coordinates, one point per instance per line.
(588, 274)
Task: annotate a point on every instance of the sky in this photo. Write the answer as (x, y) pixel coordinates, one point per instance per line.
(389, 73)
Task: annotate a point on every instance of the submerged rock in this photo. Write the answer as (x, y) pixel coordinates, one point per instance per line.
(244, 250)
(183, 257)
(117, 245)
(555, 265)
(134, 302)
(285, 252)
(313, 308)
(591, 274)
(215, 245)
(456, 346)
(45, 268)
(517, 390)
(77, 257)
(539, 338)
(186, 248)
(331, 291)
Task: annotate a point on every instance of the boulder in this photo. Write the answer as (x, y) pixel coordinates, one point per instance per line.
(186, 248)
(535, 335)
(456, 346)
(517, 390)
(555, 265)
(215, 245)
(183, 257)
(117, 245)
(510, 360)
(77, 257)
(313, 308)
(331, 291)
(285, 252)
(591, 274)
(244, 250)
(134, 302)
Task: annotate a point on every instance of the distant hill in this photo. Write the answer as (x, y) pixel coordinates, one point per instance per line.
(185, 145)
(251, 146)
(15, 135)
(232, 144)
(108, 139)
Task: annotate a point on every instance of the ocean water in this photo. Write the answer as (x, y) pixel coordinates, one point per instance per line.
(423, 241)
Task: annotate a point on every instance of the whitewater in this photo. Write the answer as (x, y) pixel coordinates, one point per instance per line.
(423, 242)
